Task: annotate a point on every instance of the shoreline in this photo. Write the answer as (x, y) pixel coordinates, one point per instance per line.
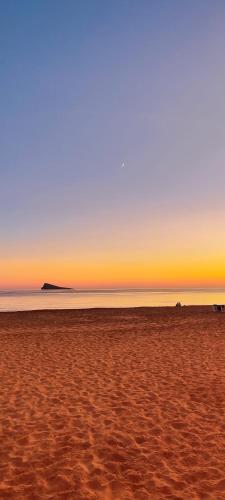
(144, 308)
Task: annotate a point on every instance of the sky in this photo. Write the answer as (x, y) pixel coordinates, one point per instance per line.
(112, 143)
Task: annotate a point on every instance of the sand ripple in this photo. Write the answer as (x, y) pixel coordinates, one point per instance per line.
(113, 404)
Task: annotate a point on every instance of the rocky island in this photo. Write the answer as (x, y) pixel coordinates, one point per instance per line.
(49, 286)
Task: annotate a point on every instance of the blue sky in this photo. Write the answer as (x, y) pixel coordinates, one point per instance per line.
(88, 85)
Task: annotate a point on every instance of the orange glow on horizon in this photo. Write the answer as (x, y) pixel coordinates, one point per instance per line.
(107, 273)
(185, 251)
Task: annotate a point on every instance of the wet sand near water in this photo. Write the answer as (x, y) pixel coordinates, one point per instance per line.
(111, 404)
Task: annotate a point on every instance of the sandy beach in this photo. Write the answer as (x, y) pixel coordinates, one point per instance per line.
(112, 404)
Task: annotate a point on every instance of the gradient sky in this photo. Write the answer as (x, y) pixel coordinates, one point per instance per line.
(86, 86)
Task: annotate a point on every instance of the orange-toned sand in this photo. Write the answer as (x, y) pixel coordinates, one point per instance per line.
(113, 404)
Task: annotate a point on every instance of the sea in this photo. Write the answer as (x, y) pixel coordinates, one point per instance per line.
(27, 300)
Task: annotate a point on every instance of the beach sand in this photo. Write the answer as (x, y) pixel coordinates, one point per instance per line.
(112, 404)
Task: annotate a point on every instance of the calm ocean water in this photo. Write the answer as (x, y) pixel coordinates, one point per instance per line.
(24, 300)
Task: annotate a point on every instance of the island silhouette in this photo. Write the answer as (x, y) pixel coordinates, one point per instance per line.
(49, 286)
